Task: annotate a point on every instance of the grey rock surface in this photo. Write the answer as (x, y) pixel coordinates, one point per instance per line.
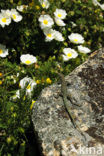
(55, 132)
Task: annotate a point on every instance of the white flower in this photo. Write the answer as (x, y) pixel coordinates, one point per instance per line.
(14, 80)
(28, 59)
(60, 13)
(27, 80)
(15, 15)
(53, 34)
(23, 82)
(59, 22)
(17, 95)
(101, 6)
(83, 49)
(73, 24)
(6, 13)
(76, 38)
(3, 51)
(95, 2)
(58, 36)
(18, 74)
(46, 21)
(69, 54)
(28, 83)
(44, 3)
(50, 34)
(22, 7)
(4, 19)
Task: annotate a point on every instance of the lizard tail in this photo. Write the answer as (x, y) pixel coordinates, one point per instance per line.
(69, 113)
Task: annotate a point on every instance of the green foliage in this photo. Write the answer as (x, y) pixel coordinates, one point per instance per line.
(26, 37)
(29, 38)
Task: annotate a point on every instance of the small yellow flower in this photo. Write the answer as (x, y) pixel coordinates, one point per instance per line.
(38, 81)
(48, 80)
(1, 74)
(1, 82)
(37, 7)
(96, 11)
(32, 104)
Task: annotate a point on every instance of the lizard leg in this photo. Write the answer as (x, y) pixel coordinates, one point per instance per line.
(74, 102)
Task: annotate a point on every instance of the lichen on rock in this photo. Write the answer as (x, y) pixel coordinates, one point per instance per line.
(56, 133)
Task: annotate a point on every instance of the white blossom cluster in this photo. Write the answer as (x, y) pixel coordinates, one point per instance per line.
(6, 16)
(46, 23)
(71, 53)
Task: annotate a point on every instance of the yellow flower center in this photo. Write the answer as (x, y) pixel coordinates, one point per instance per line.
(38, 81)
(59, 15)
(28, 62)
(49, 35)
(4, 20)
(1, 51)
(69, 54)
(45, 22)
(29, 86)
(75, 40)
(14, 16)
(43, 5)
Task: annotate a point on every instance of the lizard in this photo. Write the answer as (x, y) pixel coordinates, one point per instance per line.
(67, 107)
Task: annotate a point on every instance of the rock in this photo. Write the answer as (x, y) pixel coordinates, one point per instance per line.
(55, 132)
